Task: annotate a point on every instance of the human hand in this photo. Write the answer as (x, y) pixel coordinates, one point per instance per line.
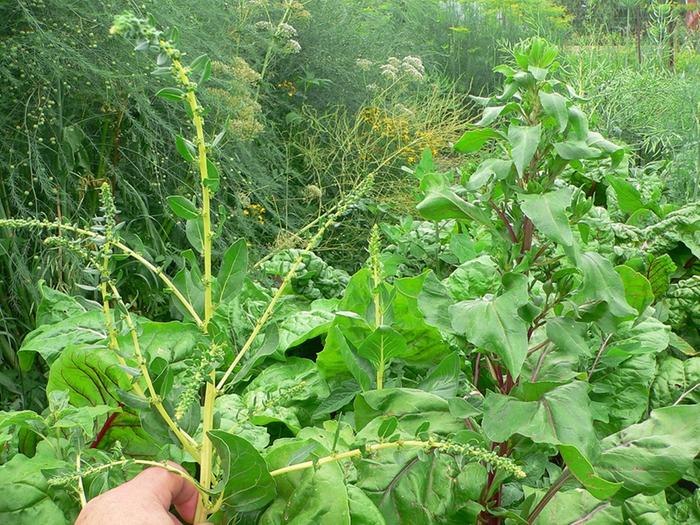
(145, 500)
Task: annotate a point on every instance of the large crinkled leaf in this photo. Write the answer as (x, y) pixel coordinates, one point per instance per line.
(624, 391)
(93, 377)
(676, 378)
(25, 495)
(602, 283)
(579, 507)
(409, 491)
(647, 510)
(285, 392)
(409, 406)
(561, 416)
(246, 483)
(474, 278)
(56, 306)
(547, 211)
(174, 342)
(50, 340)
(234, 417)
(686, 511)
(303, 325)
(493, 324)
(650, 336)
(524, 141)
(652, 455)
(315, 495)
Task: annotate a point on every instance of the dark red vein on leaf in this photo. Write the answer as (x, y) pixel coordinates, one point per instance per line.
(105, 428)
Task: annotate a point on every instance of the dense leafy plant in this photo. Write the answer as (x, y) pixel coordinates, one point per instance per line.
(516, 383)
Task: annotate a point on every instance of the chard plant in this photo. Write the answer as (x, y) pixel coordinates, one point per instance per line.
(521, 388)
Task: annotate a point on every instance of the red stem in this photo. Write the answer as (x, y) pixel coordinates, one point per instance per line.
(107, 424)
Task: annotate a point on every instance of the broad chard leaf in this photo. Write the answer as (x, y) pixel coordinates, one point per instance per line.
(652, 455)
(49, 340)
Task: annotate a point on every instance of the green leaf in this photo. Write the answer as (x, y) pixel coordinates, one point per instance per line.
(492, 113)
(202, 67)
(576, 150)
(548, 213)
(577, 506)
(495, 325)
(561, 361)
(474, 140)
(232, 414)
(246, 483)
(497, 169)
(286, 393)
(443, 379)
(561, 416)
(232, 273)
(650, 336)
(433, 490)
(628, 197)
(194, 230)
(25, 495)
(56, 306)
(410, 407)
(444, 203)
(183, 207)
(652, 455)
(674, 379)
(583, 471)
(648, 510)
(623, 390)
(362, 510)
(638, 292)
(555, 106)
(474, 278)
(92, 377)
(602, 283)
(50, 340)
(213, 180)
(524, 141)
(578, 129)
(185, 148)
(309, 495)
(383, 345)
(659, 274)
(171, 93)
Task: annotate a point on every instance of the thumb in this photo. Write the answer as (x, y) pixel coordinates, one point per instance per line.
(168, 489)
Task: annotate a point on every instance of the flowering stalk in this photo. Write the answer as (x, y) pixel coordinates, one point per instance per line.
(342, 208)
(187, 441)
(50, 225)
(446, 447)
(376, 268)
